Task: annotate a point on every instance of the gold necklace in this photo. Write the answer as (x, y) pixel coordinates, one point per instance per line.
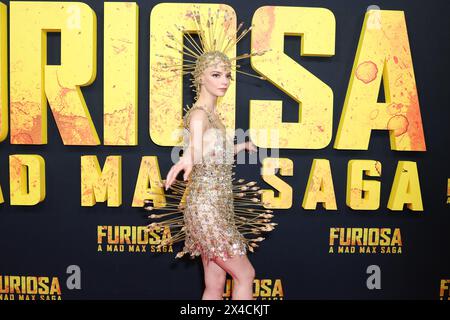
(214, 116)
(207, 109)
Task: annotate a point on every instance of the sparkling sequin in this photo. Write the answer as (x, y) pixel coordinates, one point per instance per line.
(219, 215)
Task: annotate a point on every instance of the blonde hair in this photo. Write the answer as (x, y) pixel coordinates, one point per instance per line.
(203, 62)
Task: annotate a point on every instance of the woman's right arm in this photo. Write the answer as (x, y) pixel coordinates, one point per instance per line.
(197, 127)
(194, 153)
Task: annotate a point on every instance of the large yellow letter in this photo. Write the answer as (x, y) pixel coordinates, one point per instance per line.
(269, 168)
(148, 174)
(97, 185)
(406, 188)
(3, 73)
(363, 194)
(120, 73)
(383, 52)
(26, 179)
(316, 26)
(320, 186)
(448, 191)
(33, 81)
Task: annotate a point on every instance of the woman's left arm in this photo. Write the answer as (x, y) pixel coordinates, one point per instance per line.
(238, 147)
(244, 146)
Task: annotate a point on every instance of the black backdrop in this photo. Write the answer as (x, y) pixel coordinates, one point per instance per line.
(43, 240)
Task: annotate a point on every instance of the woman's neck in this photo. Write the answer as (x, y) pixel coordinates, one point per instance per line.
(209, 103)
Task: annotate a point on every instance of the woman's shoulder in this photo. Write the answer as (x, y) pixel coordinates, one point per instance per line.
(197, 112)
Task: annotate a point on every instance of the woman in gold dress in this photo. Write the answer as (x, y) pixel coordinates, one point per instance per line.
(216, 215)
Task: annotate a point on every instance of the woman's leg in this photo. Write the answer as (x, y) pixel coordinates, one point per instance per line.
(243, 273)
(215, 278)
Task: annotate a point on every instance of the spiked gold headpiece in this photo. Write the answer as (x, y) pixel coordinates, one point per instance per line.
(216, 40)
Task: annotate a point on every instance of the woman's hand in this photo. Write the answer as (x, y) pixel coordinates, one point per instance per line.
(184, 164)
(245, 146)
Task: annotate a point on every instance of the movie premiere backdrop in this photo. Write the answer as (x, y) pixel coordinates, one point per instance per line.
(358, 177)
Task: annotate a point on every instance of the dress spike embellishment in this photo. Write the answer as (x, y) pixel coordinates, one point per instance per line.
(251, 217)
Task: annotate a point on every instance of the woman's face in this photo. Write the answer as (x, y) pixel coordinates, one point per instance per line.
(216, 78)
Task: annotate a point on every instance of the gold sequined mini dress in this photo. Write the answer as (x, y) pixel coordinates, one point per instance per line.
(214, 214)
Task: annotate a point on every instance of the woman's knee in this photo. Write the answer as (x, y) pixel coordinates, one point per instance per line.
(246, 275)
(251, 273)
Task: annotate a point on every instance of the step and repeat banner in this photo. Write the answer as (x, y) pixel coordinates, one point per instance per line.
(356, 93)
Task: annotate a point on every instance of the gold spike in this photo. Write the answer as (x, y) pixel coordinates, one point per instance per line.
(237, 39)
(215, 28)
(208, 26)
(231, 39)
(189, 38)
(226, 26)
(180, 254)
(193, 43)
(252, 75)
